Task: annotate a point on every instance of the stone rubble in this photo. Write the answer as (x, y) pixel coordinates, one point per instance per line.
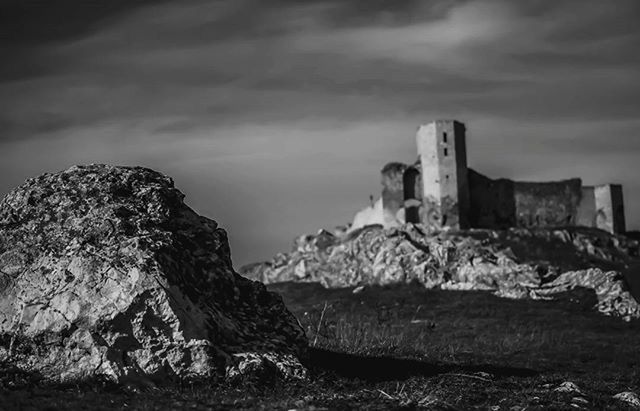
(630, 398)
(106, 273)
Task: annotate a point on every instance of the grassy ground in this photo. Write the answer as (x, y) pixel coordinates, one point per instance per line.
(404, 347)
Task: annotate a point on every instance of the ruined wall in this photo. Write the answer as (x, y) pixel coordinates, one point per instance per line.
(462, 175)
(609, 206)
(392, 176)
(587, 208)
(492, 202)
(547, 204)
(619, 223)
(505, 203)
(441, 191)
(602, 207)
(412, 194)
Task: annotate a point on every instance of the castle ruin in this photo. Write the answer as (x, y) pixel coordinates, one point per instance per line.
(440, 191)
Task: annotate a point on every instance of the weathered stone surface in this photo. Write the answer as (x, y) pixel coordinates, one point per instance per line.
(493, 201)
(515, 263)
(630, 398)
(505, 203)
(443, 161)
(104, 271)
(568, 387)
(391, 177)
(613, 295)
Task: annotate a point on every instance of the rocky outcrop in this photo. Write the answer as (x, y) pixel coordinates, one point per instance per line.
(516, 263)
(613, 296)
(105, 272)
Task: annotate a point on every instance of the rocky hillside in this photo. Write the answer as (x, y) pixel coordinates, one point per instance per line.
(516, 263)
(105, 272)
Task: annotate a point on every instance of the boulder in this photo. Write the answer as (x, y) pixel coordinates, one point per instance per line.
(106, 273)
(629, 398)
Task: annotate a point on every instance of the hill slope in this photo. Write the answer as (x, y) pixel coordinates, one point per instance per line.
(515, 263)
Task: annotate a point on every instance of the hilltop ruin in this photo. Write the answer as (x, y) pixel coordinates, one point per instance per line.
(441, 191)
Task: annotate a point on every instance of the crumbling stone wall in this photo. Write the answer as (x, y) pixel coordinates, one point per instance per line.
(609, 205)
(440, 212)
(492, 201)
(505, 203)
(393, 188)
(617, 200)
(587, 208)
(412, 194)
(547, 204)
(462, 176)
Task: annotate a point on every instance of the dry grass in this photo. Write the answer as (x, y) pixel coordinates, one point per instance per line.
(405, 347)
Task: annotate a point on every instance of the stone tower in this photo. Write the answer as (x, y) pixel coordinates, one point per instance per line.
(609, 208)
(442, 153)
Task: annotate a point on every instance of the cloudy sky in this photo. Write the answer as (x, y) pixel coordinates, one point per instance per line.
(275, 117)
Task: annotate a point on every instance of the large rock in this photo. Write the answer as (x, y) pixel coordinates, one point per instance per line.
(104, 271)
(516, 263)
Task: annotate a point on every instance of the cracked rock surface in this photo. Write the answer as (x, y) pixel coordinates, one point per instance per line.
(105, 272)
(514, 263)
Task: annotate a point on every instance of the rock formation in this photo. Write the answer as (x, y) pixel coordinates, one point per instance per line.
(105, 272)
(515, 263)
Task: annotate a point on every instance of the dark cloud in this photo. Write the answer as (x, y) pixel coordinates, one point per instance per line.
(275, 116)
(25, 23)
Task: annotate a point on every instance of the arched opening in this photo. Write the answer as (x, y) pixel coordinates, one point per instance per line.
(412, 201)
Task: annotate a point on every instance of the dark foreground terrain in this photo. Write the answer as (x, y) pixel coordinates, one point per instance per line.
(405, 347)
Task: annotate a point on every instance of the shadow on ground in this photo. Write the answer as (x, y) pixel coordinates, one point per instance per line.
(387, 369)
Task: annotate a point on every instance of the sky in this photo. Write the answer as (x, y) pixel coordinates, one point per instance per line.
(274, 117)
